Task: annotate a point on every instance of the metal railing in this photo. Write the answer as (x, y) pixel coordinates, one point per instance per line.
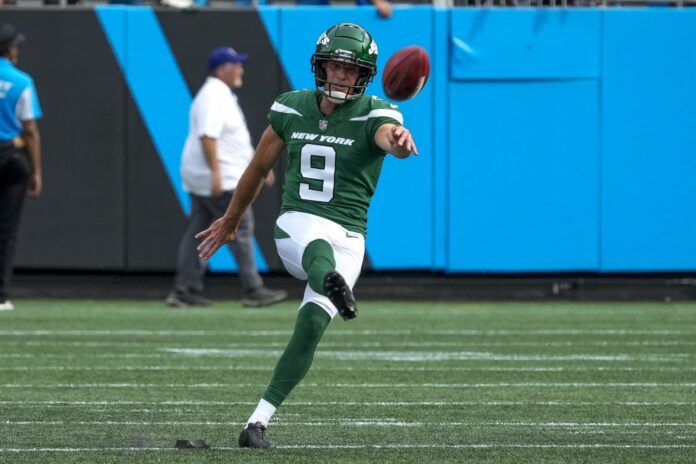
(439, 3)
(567, 3)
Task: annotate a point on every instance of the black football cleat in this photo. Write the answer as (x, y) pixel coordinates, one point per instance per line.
(254, 436)
(340, 294)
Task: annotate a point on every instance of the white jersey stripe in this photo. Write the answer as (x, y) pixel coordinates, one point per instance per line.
(280, 108)
(25, 109)
(382, 113)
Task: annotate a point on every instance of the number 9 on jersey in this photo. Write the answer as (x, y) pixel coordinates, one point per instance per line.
(325, 174)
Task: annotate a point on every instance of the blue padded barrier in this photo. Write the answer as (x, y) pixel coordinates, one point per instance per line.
(649, 140)
(524, 140)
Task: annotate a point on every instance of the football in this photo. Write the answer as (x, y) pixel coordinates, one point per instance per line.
(406, 73)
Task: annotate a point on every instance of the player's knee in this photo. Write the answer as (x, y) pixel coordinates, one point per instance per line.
(315, 330)
(311, 324)
(318, 249)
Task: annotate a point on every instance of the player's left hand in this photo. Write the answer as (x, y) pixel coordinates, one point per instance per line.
(214, 237)
(34, 185)
(401, 137)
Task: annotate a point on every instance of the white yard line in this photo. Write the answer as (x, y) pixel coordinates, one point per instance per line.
(679, 358)
(558, 332)
(87, 344)
(350, 369)
(362, 422)
(516, 385)
(430, 356)
(376, 344)
(490, 446)
(354, 403)
(388, 446)
(396, 356)
(266, 333)
(266, 351)
(368, 385)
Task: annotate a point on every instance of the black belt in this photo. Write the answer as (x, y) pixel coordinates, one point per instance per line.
(7, 149)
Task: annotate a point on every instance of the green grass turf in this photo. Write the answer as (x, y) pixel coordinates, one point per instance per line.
(404, 382)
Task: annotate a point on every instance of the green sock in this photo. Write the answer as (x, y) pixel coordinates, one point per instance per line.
(317, 261)
(292, 366)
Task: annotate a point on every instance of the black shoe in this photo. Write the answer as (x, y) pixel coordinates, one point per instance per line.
(263, 296)
(340, 294)
(254, 436)
(184, 298)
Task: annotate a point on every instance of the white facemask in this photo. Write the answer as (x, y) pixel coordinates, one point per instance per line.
(335, 96)
(339, 97)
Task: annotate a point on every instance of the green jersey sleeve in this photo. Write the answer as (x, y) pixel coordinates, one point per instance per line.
(382, 112)
(283, 108)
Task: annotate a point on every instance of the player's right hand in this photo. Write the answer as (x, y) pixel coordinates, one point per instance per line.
(214, 237)
(401, 138)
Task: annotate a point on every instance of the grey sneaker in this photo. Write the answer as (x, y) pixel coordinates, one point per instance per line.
(263, 296)
(254, 436)
(6, 305)
(340, 294)
(184, 298)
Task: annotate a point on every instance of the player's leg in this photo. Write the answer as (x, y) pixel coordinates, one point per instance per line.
(293, 233)
(301, 252)
(336, 294)
(292, 366)
(317, 261)
(14, 175)
(297, 358)
(325, 254)
(190, 270)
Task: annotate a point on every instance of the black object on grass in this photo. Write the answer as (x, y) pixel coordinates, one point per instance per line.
(191, 444)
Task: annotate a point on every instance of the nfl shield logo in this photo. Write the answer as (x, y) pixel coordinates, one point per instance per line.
(323, 124)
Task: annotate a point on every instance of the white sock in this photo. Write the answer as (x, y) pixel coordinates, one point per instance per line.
(264, 412)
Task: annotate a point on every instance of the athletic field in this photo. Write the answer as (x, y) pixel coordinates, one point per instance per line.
(425, 382)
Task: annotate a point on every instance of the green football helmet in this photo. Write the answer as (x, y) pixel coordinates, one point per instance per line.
(346, 43)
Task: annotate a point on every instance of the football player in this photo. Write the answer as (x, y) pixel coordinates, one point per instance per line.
(336, 138)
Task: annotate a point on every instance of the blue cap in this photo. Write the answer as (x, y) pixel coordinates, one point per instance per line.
(9, 36)
(222, 55)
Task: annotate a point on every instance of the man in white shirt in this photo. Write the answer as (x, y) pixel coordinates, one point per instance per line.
(217, 151)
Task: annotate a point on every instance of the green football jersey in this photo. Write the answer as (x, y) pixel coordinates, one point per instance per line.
(333, 161)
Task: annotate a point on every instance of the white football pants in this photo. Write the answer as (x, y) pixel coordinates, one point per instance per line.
(304, 228)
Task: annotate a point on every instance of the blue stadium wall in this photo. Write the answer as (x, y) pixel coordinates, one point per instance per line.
(551, 140)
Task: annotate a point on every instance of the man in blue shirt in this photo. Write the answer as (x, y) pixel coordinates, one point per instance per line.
(383, 7)
(20, 150)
